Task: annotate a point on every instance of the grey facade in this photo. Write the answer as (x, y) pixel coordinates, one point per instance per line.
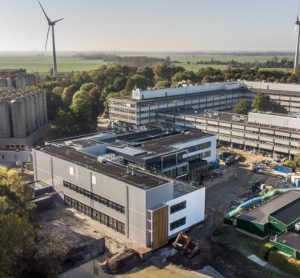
(109, 192)
(142, 112)
(238, 130)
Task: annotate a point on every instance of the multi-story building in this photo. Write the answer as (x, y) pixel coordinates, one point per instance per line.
(287, 95)
(275, 133)
(146, 208)
(185, 155)
(140, 109)
(23, 121)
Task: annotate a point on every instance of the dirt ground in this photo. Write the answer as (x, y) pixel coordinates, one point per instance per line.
(70, 238)
(220, 192)
(236, 181)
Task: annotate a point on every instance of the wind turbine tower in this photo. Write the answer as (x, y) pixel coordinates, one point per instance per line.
(297, 47)
(51, 25)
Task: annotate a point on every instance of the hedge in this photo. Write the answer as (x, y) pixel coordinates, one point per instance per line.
(283, 262)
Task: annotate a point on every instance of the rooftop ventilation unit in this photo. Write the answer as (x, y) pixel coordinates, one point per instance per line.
(101, 159)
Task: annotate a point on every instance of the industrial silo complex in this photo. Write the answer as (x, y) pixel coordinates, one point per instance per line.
(23, 121)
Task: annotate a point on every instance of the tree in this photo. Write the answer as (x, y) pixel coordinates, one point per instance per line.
(148, 73)
(58, 90)
(241, 107)
(19, 231)
(54, 102)
(68, 93)
(165, 72)
(263, 102)
(81, 109)
(16, 232)
(138, 81)
(65, 123)
(163, 84)
(184, 76)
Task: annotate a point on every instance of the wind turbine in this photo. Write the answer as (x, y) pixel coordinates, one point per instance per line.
(297, 24)
(51, 25)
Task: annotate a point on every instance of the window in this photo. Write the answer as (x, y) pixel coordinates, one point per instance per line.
(93, 180)
(94, 196)
(95, 214)
(180, 222)
(178, 207)
(71, 171)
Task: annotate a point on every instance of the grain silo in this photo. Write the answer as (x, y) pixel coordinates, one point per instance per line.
(40, 108)
(37, 111)
(32, 112)
(22, 123)
(5, 128)
(28, 114)
(18, 119)
(3, 82)
(45, 106)
(10, 82)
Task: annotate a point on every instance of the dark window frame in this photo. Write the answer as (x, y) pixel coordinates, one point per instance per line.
(178, 223)
(178, 207)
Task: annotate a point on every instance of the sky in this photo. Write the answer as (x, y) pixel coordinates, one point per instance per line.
(150, 25)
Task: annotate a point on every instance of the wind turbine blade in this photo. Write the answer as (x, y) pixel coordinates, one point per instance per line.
(47, 38)
(298, 11)
(57, 20)
(48, 19)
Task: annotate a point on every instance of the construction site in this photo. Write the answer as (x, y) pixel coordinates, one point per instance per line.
(74, 238)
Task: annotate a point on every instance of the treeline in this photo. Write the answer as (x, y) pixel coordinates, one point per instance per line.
(135, 61)
(274, 63)
(75, 101)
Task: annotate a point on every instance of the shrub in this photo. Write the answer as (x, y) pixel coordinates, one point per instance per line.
(264, 250)
(285, 263)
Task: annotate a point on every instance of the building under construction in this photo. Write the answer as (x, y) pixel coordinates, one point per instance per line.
(23, 120)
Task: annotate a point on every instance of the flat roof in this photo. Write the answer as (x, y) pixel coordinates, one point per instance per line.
(142, 180)
(165, 144)
(226, 117)
(181, 189)
(288, 214)
(261, 214)
(178, 97)
(289, 239)
(152, 142)
(137, 136)
(277, 92)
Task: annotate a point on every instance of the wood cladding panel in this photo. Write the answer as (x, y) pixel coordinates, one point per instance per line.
(160, 227)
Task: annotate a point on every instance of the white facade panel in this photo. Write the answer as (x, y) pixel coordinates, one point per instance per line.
(194, 211)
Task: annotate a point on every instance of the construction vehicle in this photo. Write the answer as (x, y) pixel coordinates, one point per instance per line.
(184, 245)
(182, 241)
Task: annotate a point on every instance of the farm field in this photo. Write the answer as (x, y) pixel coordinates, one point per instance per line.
(67, 63)
(43, 64)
